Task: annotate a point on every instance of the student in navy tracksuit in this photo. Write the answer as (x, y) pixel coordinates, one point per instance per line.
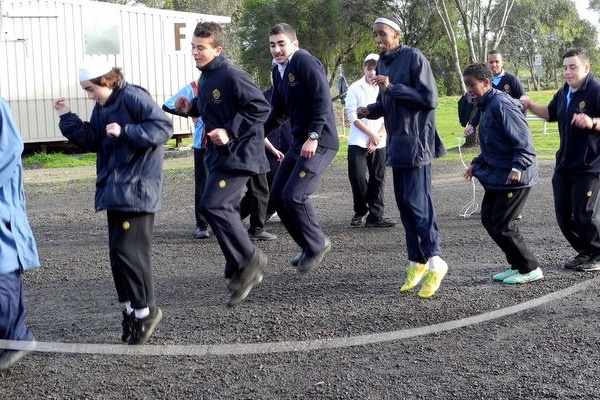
(191, 92)
(576, 179)
(301, 93)
(127, 130)
(407, 101)
(507, 169)
(18, 251)
(234, 111)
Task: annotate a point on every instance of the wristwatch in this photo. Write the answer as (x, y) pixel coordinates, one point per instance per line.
(313, 136)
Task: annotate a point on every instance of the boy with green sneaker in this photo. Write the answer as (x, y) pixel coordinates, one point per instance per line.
(407, 103)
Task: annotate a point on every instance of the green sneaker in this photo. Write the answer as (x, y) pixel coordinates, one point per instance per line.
(503, 275)
(524, 278)
(433, 279)
(414, 274)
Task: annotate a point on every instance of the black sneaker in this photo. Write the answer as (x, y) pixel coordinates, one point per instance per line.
(264, 235)
(296, 260)
(142, 329)
(357, 220)
(593, 264)
(382, 223)
(579, 259)
(9, 357)
(245, 279)
(126, 323)
(200, 233)
(307, 264)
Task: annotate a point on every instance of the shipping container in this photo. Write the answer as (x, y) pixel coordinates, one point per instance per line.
(43, 44)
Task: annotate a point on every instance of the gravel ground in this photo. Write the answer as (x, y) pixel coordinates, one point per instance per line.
(343, 331)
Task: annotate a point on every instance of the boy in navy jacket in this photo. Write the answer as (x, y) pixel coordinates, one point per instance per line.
(301, 93)
(234, 111)
(127, 130)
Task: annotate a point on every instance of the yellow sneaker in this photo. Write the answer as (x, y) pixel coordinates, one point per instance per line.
(433, 279)
(414, 274)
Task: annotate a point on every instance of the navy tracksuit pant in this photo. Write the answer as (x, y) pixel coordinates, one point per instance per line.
(12, 308)
(221, 207)
(413, 192)
(297, 178)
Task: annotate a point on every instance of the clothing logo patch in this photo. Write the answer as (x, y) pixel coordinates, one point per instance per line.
(216, 95)
(509, 195)
(589, 193)
(302, 174)
(126, 225)
(222, 184)
(581, 107)
(507, 88)
(291, 77)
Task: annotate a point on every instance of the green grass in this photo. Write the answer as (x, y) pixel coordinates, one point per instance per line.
(449, 130)
(59, 160)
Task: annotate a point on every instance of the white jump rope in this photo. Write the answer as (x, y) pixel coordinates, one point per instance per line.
(472, 206)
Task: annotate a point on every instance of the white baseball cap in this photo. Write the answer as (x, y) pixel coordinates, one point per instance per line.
(93, 69)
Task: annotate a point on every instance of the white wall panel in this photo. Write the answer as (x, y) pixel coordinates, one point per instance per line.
(42, 45)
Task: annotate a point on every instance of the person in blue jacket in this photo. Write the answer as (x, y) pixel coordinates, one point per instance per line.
(127, 130)
(506, 168)
(18, 251)
(301, 93)
(576, 179)
(234, 110)
(407, 100)
(200, 174)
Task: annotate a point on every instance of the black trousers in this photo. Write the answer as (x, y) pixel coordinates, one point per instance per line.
(577, 208)
(366, 172)
(129, 243)
(254, 203)
(499, 208)
(200, 175)
(274, 165)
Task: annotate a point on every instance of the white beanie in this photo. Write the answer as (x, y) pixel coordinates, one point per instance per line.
(93, 69)
(372, 56)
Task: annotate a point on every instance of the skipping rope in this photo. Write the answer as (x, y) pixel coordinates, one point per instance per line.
(472, 206)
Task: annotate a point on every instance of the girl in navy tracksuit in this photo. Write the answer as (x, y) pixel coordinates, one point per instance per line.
(507, 169)
(127, 130)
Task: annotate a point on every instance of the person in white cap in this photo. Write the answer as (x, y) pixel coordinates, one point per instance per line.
(407, 101)
(127, 130)
(366, 152)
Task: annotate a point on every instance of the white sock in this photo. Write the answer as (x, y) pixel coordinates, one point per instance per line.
(141, 312)
(436, 263)
(127, 307)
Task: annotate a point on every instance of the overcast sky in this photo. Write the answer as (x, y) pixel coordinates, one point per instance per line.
(584, 13)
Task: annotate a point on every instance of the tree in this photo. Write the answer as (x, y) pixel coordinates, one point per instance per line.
(338, 32)
(470, 20)
(546, 30)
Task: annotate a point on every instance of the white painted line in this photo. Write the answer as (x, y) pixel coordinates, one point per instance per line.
(294, 346)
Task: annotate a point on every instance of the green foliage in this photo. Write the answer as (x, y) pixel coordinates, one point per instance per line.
(337, 32)
(449, 130)
(545, 28)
